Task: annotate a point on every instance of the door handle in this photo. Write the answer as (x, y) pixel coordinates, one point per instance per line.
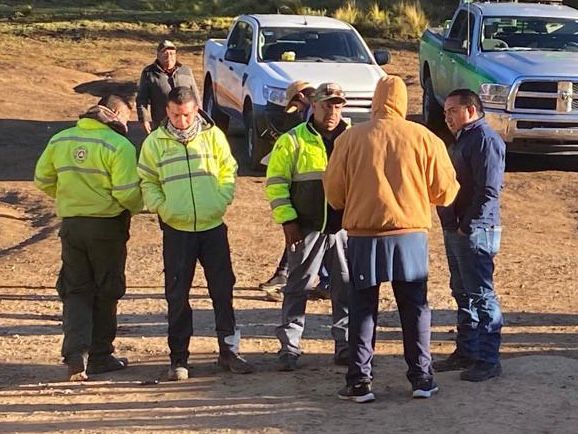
(231, 68)
(221, 60)
(452, 60)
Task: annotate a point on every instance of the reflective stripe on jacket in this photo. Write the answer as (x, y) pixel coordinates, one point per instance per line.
(91, 171)
(294, 173)
(190, 186)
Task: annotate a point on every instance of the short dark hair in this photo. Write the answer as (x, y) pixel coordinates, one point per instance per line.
(182, 95)
(469, 98)
(115, 102)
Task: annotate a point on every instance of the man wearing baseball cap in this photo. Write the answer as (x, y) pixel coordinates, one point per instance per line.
(299, 96)
(312, 229)
(157, 80)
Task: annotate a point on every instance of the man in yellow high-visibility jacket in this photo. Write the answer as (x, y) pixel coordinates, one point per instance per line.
(312, 229)
(188, 179)
(90, 170)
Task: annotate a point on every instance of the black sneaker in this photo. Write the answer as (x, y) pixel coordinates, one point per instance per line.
(424, 388)
(106, 364)
(359, 393)
(234, 363)
(287, 362)
(482, 371)
(455, 362)
(278, 281)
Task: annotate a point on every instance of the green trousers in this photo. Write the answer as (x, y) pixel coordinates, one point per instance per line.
(91, 282)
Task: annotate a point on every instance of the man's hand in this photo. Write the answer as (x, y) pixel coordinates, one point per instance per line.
(147, 127)
(293, 235)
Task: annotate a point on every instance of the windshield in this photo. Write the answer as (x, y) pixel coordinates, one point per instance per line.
(529, 34)
(310, 45)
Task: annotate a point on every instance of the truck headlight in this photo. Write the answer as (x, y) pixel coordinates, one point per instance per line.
(494, 94)
(274, 95)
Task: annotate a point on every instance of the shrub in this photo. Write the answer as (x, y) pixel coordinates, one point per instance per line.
(349, 13)
(410, 19)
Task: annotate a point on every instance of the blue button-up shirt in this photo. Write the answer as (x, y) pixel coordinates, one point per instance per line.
(478, 157)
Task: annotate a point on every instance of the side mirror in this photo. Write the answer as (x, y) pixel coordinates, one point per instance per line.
(236, 55)
(454, 45)
(382, 57)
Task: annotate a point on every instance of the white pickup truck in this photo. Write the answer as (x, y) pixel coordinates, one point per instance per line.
(247, 74)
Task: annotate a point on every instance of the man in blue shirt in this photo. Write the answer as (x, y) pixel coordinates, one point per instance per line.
(472, 237)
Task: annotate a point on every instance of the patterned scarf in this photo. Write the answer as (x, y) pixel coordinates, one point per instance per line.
(106, 116)
(184, 136)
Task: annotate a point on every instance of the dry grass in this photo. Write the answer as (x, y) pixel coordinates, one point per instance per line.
(349, 13)
(378, 16)
(410, 19)
(306, 10)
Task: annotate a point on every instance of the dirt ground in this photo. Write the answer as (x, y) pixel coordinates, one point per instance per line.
(47, 81)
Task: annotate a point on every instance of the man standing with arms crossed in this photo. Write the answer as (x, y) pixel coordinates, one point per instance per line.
(90, 170)
(188, 179)
(472, 234)
(312, 228)
(385, 173)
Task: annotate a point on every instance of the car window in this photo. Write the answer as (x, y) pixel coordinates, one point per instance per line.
(241, 38)
(310, 45)
(463, 28)
(529, 33)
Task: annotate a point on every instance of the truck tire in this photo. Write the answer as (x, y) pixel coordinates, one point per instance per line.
(433, 112)
(212, 109)
(255, 146)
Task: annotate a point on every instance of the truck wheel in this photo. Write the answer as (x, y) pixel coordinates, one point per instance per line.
(433, 112)
(256, 147)
(210, 106)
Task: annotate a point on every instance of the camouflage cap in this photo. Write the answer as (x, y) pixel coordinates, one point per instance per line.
(327, 91)
(166, 45)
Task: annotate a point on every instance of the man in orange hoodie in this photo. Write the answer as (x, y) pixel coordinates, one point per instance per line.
(385, 174)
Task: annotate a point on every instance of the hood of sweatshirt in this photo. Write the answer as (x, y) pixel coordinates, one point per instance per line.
(390, 98)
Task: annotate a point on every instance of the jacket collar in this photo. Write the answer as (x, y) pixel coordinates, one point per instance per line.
(468, 127)
(342, 126)
(206, 124)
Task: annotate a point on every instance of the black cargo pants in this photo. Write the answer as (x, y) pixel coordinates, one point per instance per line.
(91, 282)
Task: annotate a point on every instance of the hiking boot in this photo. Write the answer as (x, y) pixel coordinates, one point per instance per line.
(360, 393)
(287, 362)
(455, 362)
(482, 371)
(234, 363)
(278, 281)
(424, 388)
(106, 364)
(273, 295)
(178, 373)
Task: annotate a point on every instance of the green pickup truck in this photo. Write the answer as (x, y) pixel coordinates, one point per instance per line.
(522, 59)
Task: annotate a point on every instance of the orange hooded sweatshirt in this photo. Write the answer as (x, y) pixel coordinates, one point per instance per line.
(388, 171)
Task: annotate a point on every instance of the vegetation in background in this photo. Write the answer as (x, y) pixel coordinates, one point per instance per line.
(398, 19)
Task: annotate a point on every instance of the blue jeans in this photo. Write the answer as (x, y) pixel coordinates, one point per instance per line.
(471, 263)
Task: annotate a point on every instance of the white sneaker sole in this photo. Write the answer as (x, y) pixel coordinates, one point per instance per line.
(368, 397)
(424, 394)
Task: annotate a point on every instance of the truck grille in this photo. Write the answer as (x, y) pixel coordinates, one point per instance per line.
(547, 96)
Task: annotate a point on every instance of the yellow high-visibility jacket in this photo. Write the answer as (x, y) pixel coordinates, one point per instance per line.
(294, 178)
(190, 186)
(90, 170)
